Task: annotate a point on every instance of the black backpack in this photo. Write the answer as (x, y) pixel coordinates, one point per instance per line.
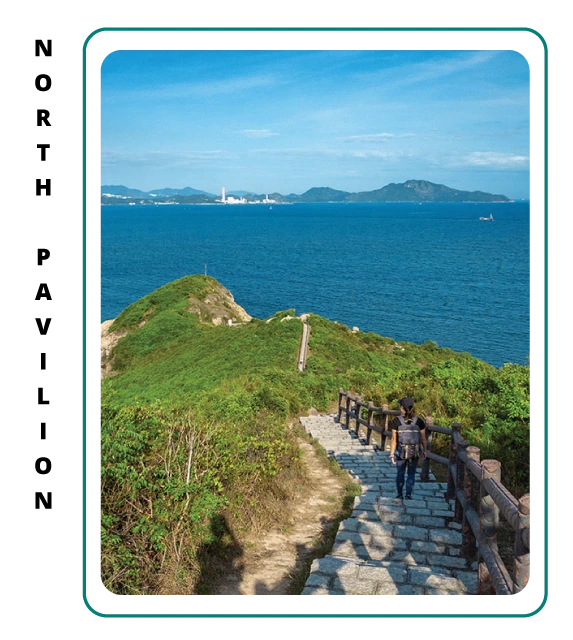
(409, 439)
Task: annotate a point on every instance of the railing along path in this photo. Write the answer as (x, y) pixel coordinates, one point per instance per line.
(474, 484)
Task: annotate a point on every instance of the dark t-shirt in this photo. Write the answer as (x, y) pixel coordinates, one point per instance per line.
(417, 420)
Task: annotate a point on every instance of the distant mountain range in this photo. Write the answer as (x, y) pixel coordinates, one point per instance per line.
(126, 192)
(409, 191)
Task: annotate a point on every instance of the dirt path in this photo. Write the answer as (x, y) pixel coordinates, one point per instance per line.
(269, 565)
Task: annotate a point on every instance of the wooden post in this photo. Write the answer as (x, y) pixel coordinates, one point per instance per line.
(369, 420)
(488, 523)
(384, 427)
(521, 561)
(471, 494)
(357, 414)
(340, 396)
(451, 491)
(460, 475)
(425, 474)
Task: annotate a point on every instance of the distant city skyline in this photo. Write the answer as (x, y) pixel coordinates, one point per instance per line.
(286, 121)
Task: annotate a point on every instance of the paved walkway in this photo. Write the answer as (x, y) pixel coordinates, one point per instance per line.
(303, 350)
(387, 546)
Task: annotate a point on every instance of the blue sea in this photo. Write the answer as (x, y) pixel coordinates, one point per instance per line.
(413, 272)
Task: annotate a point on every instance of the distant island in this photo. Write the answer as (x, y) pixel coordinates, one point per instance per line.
(409, 191)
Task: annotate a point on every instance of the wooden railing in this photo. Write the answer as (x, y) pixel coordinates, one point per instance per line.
(474, 484)
(352, 407)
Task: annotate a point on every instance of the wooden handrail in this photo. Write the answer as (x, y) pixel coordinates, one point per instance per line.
(480, 497)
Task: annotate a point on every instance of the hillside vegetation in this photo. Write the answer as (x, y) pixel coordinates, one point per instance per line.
(196, 447)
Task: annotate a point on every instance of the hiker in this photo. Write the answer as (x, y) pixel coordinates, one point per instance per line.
(408, 445)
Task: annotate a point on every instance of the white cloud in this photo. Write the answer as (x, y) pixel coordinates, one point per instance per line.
(440, 68)
(191, 89)
(257, 133)
(165, 158)
(371, 137)
(230, 85)
(377, 137)
(423, 72)
(326, 152)
(495, 159)
(413, 73)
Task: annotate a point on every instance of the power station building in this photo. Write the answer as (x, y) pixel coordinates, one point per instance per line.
(232, 200)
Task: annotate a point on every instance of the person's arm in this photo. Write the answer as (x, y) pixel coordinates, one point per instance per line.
(393, 442)
(393, 445)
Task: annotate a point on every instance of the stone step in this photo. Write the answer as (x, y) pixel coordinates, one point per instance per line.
(388, 546)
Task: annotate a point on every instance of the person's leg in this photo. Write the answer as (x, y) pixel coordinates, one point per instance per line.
(412, 464)
(400, 472)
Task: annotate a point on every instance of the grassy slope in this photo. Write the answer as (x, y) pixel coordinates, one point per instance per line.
(175, 358)
(180, 384)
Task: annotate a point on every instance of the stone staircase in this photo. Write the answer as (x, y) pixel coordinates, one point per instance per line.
(388, 546)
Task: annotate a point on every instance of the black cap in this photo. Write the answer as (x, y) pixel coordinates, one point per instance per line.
(407, 403)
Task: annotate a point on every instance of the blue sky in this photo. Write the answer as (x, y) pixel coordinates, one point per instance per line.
(286, 121)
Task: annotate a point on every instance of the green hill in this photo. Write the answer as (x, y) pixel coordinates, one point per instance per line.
(196, 400)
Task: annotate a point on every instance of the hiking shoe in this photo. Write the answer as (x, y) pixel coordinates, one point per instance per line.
(399, 496)
(408, 497)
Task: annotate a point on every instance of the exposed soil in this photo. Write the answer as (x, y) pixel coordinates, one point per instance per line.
(269, 565)
(108, 342)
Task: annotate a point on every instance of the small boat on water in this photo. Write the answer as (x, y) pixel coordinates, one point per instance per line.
(490, 217)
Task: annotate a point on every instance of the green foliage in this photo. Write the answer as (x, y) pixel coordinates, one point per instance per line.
(194, 424)
(171, 297)
(168, 474)
(174, 356)
(283, 314)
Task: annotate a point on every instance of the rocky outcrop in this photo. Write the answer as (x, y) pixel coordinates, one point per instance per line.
(108, 341)
(217, 307)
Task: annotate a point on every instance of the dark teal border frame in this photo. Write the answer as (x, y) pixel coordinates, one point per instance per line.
(83, 301)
